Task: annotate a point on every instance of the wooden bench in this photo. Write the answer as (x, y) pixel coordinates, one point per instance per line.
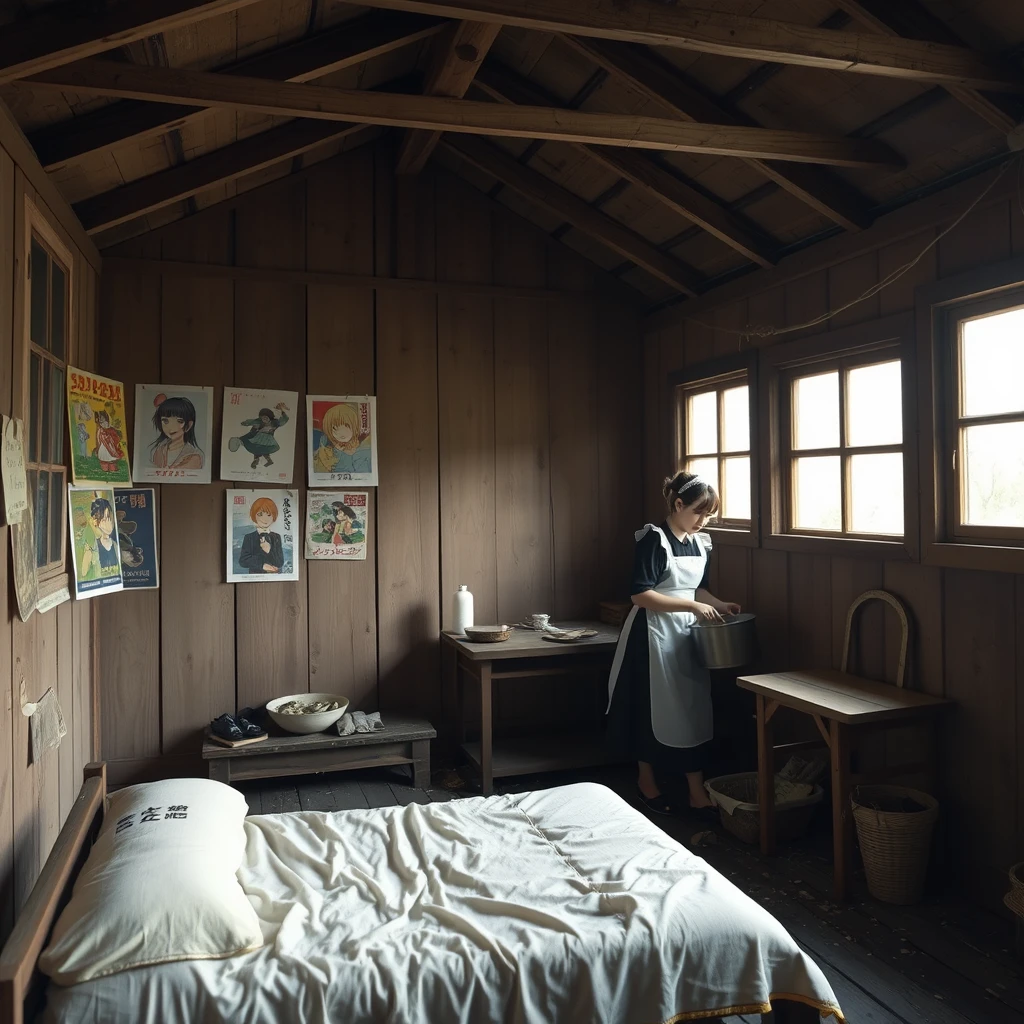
(402, 741)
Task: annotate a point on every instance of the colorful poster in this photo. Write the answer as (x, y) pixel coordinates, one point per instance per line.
(99, 448)
(262, 531)
(336, 524)
(95, 549)
(173, 433)
(136, 534)
(342, 444)
(258, 441)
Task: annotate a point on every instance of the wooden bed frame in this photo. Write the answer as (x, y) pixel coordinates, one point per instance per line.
(22, 986)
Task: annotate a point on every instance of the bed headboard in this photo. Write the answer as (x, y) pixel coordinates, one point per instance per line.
(21, 984)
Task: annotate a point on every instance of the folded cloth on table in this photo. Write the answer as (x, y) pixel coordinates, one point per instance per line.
(358, 721)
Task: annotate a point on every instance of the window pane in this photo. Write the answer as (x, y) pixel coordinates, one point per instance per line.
(41, 512)
(47, 419)
(876, 494)
(702, 423)
(874, 405)
(706, 469)
(33, 409)
(57, 494)
(992, 358)
(57, 413)
(816, 411)
(39, 271)
(817, 494)
(58, 304)
(737, 489)
(993, 469)
(736, 413)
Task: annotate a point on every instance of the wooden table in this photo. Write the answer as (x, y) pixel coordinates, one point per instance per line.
(402, 741)
(533, 754)
(850, 704)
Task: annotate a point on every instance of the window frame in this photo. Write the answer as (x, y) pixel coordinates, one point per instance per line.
(719, 375)
(940, 308)
(844, 348)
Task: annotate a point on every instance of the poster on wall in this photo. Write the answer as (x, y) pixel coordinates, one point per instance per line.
(12, 466)
(342, 440)
(262, 527)
(136, 534)
(173, 433)
(336, 524)
(99, 448)
(258, 441)
(95, 549)
(23, 555)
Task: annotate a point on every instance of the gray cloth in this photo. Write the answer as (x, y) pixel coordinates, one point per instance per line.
(357, 721)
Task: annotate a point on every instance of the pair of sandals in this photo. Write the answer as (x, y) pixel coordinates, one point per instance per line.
(661, 804)
(237, 727)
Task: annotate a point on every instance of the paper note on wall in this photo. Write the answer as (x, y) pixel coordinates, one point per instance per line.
(12, 469)
(47, 724)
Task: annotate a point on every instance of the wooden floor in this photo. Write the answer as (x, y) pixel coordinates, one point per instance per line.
(937, 963)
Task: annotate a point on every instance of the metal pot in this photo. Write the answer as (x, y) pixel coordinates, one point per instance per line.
(728, 644)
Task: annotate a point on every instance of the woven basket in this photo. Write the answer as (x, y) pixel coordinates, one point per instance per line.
(1014, 899)
(895, 843)
(791, 817)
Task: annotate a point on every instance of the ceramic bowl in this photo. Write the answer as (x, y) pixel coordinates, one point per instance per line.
(306, 724)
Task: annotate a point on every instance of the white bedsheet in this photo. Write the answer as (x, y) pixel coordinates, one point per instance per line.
(557, 905)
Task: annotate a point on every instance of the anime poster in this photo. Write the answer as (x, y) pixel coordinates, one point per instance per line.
(173, 434)
(258, 440)
(336, 524)
(342, 447)
(262, 531)
(135, 508)
(95, 549)
(99, 447)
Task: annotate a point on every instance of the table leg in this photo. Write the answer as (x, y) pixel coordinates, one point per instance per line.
(486, 778)
(842, 813)
(765, 776)
(460, 694)
(421, 763)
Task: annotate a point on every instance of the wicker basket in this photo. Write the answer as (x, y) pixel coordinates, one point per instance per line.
(1014, 899)
(791, 816)
(894, 828)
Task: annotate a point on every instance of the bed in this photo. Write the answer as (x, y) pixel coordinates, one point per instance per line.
(562, 904)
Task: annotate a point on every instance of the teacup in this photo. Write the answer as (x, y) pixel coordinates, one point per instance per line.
(539, 621)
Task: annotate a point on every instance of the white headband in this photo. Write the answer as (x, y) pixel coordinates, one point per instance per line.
(694, 482)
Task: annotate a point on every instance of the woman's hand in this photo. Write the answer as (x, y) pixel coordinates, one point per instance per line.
(706, 613)
(729, 608)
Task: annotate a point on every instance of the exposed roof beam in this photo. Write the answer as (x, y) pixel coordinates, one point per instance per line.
(441, 113)
(824, 192)
(144, 195)
(909, 18)
(457, 59)
(563, 203)
(68, 32)
(650, 177)
(363, 38)
(734, 35)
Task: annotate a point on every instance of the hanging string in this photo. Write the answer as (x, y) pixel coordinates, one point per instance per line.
(767, 331)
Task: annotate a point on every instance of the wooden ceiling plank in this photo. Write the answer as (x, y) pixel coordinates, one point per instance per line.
(829, 195)
(505, 85)
(441, 113)
(734, 35)
(69, 32)
(542, 190)
(457, 58)
(363, 38)
(909, 18)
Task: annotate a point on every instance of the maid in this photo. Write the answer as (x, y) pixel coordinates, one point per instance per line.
(659, 697)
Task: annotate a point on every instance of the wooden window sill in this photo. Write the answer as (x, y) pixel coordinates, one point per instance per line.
(985, 557)
(731, 537)
(888, 550)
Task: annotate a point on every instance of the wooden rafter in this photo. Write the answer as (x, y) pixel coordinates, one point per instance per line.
(458, 56)
(563, 203)
(505, 85)
(910, 18)
(440, 113)
(824, 192)
(734, 35)
(363, 38)
(71, 31)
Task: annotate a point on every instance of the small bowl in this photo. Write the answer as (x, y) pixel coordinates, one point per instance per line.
(306, 724)
(488, 634)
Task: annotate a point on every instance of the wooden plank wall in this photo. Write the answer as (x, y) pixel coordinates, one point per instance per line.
(969, 624)
(53, 649)
(476, 485)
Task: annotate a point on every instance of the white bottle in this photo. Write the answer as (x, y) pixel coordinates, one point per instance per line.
(463, 613)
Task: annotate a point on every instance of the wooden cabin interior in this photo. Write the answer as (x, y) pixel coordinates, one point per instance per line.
(571, 249)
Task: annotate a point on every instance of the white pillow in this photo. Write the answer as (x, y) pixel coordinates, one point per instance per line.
(159, 884)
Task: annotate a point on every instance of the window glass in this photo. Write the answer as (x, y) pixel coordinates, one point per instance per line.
(702, 423)
(874, 405)
(39, 273)
(993, 474)
(736, 492)
(816, 411)
(58, 302)
(992, 364)
(707, 469)
(876, 493)
(736, 420)
(817, 493)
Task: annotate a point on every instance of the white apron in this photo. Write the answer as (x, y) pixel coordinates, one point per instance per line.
(680, 687)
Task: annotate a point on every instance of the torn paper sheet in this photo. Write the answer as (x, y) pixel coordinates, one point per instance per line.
(23, 555)
(46, 722)
(12, 469)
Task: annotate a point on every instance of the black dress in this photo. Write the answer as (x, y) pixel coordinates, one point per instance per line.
(630, 733)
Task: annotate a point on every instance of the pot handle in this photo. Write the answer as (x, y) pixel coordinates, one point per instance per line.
(890, 599)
